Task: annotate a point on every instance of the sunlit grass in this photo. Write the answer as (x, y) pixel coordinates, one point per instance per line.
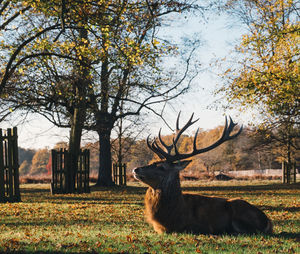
(112, 221)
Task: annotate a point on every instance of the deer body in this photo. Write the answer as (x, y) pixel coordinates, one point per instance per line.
(170, 210)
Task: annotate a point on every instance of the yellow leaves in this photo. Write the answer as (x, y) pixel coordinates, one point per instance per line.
(21, 70)
(155, 42)
(129, 238)
(105, 30)
(85, 41)
(269, 69)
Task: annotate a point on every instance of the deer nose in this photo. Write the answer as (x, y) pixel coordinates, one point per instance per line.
(135, 170)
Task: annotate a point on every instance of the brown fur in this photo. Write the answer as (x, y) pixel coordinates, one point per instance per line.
(168, 210)
(204, 215)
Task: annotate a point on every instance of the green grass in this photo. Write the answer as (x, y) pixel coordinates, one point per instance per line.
(112, 221)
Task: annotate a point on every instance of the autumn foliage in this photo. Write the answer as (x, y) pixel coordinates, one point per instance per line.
(248, 151)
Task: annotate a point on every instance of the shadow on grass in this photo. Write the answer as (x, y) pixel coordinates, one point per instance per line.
(54, 252)
(288, 236)
(111, 195)
(142, 189)
(280, 208)
(265, 187)
(49, 252)
(64, 221)
(94, 200)
(116, 189)
(34, 190)
(126, 194)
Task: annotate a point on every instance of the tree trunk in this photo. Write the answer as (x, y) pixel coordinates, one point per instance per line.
(78, 117)
(120, 154)
(77, 122)
(105, 168)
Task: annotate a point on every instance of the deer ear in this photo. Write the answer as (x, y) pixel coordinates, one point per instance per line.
(182, 164)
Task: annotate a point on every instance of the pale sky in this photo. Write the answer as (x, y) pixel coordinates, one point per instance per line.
(38, 133)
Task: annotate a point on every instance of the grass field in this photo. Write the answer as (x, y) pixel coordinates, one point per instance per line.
(112, 221)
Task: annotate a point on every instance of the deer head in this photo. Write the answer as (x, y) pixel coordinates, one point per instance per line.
(159, 174)
(167, 170)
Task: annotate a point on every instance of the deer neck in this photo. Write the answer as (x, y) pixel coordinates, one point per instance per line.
(167, 194)
(164, 205)
(170, 188)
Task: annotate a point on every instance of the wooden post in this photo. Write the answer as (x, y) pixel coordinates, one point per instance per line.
(10, 166)
(295, 173)
(79, 173)
(124, 173)
(15, 158)
(2, 185)
(53, 185)
(120, 176)
(87, 171)
(59, 170)
(283, 172)
(114, 173)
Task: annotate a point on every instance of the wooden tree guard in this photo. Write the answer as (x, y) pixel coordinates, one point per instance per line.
(61, 173)
(288, 172)
(9, 166)
(119, 174)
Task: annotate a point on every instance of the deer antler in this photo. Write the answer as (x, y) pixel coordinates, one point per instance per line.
(165, 152)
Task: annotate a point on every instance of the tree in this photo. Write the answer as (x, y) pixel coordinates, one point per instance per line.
(28, 42)
(24, 168)
(25, 154)
(39, 162)
(127, 133)
(13, 25)
(278, 141)
(267, 76)
(107, 64)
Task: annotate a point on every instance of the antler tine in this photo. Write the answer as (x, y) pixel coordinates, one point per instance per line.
(155, 148)
(231, 127)
(180, 131)
(148, 144)
(238, 133)
(169, 148)
(151, 146)
(177, 121)
(225, 129)
(195, 139)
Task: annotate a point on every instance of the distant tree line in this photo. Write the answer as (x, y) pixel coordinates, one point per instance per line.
(251, 150)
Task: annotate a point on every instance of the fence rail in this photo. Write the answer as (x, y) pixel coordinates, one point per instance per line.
(62, 175)
(9, 166)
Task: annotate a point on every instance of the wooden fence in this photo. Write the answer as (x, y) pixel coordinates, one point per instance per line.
(289, 172)
(62, 175)
(9, 166)
(119, 174)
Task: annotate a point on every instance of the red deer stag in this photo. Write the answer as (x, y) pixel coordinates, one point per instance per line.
(169, 210)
